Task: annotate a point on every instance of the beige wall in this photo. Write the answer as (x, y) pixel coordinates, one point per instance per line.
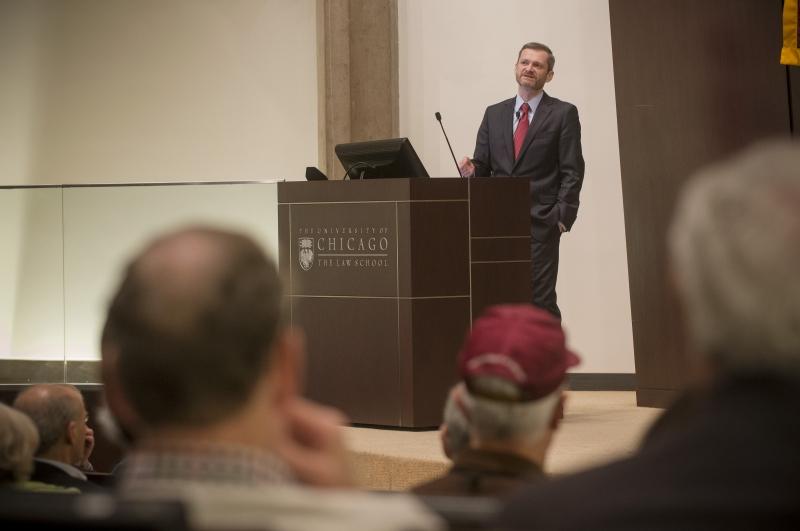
(31, 274)
(151, 90)
(64, 250)
(187, 90)
(457, 57)
(116, 91)
(93, 262)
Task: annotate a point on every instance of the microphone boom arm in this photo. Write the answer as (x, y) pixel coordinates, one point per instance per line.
(439, 119)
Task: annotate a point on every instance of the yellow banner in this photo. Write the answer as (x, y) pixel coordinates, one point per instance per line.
(790, 53)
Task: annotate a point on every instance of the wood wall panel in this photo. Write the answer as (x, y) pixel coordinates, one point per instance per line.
(440, 265)
(695, 81)
(369, 350)
(499, 283)
(439, 327)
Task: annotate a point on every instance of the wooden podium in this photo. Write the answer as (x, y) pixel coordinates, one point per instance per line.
(385, 277)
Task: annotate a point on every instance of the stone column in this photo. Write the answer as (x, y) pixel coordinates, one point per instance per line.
(358, 75)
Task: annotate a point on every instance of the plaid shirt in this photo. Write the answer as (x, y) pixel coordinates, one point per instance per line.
(240, 488)
(202, 462)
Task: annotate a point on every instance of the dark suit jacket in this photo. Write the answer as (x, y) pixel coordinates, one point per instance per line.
(551, 157)
(725, 459)
(483, 473)
(47, 473)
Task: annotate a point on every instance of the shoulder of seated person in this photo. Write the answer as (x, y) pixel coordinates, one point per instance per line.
(40, 486)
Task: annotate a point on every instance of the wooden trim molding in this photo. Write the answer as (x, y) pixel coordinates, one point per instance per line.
(601, 381)
(87, 372)
(27, 372)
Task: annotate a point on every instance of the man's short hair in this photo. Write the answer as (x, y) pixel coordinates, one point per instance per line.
(18, 442)
(735, 249)
(504, 420)
(192, 324)
(551, 59)
(456, 419)
(51, 407)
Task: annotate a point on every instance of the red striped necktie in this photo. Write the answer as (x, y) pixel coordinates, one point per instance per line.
(522, 129)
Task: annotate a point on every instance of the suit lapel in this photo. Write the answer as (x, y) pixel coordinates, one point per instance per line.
(539, 117)
(508, 130)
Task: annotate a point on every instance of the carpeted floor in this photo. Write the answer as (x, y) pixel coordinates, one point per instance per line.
(598, 427)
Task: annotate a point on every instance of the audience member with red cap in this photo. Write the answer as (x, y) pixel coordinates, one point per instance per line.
(513, 366)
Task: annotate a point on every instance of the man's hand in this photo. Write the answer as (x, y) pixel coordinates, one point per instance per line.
(466, 167)
(88, 447)
(316, 452)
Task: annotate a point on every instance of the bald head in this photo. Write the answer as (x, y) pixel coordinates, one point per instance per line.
(192, 324)
(177, 278)
(55, 409)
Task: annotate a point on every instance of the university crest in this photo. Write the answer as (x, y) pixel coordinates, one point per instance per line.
(306, 254)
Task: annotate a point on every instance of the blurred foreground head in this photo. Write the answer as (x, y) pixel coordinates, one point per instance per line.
(191, 329)
(735, 249)
(18, 442)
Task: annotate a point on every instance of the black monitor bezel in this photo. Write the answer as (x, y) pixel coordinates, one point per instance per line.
(391, 158)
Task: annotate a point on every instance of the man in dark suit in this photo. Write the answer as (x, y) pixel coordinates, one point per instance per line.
(65, 439)
(536, 136)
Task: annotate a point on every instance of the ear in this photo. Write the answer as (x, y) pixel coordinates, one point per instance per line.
(558, 412)
(117, 402)
(549, 76)
(287, 367)
(443, 439)
(72, 432)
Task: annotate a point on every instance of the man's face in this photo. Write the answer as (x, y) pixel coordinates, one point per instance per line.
(531, 69)
(79, 440)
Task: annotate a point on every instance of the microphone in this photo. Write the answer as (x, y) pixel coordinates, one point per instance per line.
(439, 119)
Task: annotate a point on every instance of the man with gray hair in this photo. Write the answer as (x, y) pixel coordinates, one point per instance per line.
(65, 439)
(203, 371)
(18, 443)
(513, 365)
(454, 431)
(725, 455)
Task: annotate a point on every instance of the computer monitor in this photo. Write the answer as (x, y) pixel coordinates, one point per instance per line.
(380, 159)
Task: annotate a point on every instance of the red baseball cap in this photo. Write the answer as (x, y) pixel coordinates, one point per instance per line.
(519, 343)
